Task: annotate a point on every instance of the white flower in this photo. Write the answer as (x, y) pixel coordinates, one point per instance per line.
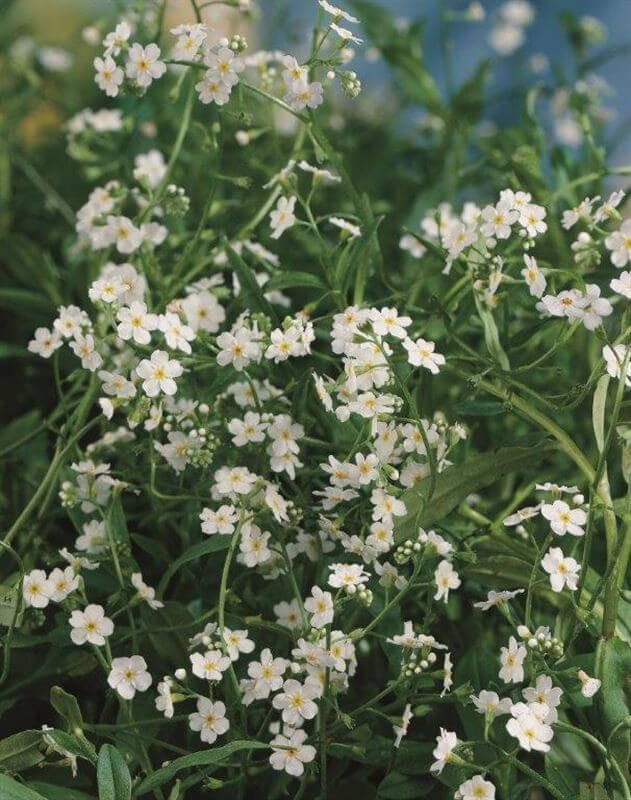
(528, 729)
(288, 614)
(94, 538)
(122, 232)
(563, 571)
(129, 675)
(401, 730)
(446, 578)
(387, 322)
(158, 374)
(594, 307)
(276, 504)
(621, 285)
(421, 354)
(497, 220)
(545, 694)
(35, 589)
(337, 12)
(203, 311)
(589, 686)
(108, 76)
(489, 703)
(239, 480)
(147, 593)
(522, 514)
(84, 348)
(209, 719)
(90, 625)
(345, 225)
(303, 94)
(117, 39)
(150, 168)
(116, 385)
(296, 702)
(190, 38)
(267, 674)
(564, 519)
(290, 753)
(446, 742)
(164, 700)
(220, 521)
(293, 75)
(320, 606)
(135, 323)
(607, 209)
(209, 666)
(176, 334)
(531, 219)
(533, 276)
(212, 90)
(144, 65)
(45, 342)
(494, 598)
(512, 660)
(347, 576)
(506, 38)
(476, 788)
(253, 546)
(237, 349)
(282, 217)
(237, 642)
(61, 583)
(619, 242)
(411, 244)
(614, 358)
(385, 506)
(224, 66)
(345, 34)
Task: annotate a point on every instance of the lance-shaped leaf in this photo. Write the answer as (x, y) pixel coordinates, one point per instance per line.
(459, 481)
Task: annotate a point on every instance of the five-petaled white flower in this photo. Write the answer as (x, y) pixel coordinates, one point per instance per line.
(563, 571)
(290, 753)
(564, 519)
(158, 373)
(209, 719)
(129, 675)
(320, 606)
(90, 625)
(144, 65)
(512, 660)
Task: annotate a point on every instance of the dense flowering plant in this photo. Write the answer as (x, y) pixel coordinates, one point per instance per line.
(334, 495)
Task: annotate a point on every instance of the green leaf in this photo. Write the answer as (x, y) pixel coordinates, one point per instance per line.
(251, 294)
(402, 50)
(459, 481)
(20, 751)
(204, 758)
(491, 334)
(396, 786)
(25, 301)
(213, 544)
(10, 789)
(53, 792)
(294, 279)
(112, 774)
(172, 622)
(18, 428)
(76, 745)
(67, 707)
(479, 408)
(116, 523)
(613, 701)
